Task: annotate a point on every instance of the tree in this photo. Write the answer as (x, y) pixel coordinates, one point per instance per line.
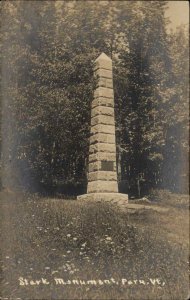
(48, 83)
(175, 168)
(55, 88)
(144, 70)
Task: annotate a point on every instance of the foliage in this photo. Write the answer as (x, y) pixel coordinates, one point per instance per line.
(167, 198)
(47, 60)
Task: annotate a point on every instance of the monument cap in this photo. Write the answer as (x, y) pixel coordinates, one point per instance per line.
(103, 62)
(102, 56)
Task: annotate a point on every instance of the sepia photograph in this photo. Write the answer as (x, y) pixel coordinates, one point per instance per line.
(94, 150)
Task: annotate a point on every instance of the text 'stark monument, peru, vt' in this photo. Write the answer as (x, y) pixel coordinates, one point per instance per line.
(102, 171)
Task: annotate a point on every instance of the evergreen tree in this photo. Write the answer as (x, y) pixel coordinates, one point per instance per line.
(48, 50)
(175, 167)
(144, 70)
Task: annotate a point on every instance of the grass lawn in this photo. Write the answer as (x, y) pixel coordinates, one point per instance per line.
(66, 249)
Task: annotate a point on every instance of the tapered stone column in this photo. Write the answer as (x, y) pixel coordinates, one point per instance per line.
(102, 171)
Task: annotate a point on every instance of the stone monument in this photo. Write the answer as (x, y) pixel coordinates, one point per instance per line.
(102, 170)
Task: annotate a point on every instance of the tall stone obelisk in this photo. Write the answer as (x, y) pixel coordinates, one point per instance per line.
(102, 171)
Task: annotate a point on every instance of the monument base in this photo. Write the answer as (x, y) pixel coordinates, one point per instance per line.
(113, 197)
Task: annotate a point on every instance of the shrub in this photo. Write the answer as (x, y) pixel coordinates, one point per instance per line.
(165, 197)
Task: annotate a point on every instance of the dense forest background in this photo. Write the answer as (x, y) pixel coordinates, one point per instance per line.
(47, 54)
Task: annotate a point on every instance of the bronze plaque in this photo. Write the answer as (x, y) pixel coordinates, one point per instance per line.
(107, 165)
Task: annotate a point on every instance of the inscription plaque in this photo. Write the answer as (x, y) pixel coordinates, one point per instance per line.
(107, 165)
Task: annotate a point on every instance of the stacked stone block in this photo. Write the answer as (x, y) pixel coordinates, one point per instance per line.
(102, 175)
